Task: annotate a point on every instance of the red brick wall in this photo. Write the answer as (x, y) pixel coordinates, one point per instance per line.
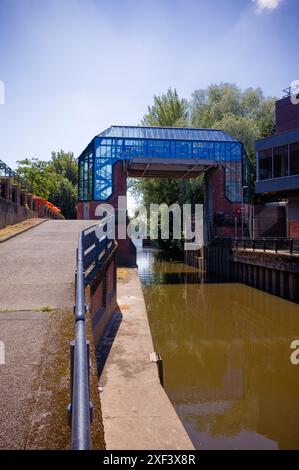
(218, 202)
(110, 279)
(80, 210)
(96, 297)
(294, 229)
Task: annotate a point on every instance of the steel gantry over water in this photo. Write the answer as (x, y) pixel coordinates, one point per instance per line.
(127, 151)
(159, 151)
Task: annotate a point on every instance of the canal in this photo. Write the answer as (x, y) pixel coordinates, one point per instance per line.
(226, 356)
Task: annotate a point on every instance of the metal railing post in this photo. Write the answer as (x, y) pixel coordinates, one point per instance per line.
(291, 246)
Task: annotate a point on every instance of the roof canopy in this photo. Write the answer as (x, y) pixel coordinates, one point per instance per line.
(167, 133)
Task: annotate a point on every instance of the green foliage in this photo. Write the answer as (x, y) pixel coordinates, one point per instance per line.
(167, 110)
(246, 115)
(38, 175)
(56, 180)
(65, 197)
(65, 164)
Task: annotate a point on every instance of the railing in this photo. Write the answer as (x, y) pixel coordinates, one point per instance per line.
(90, 255)
(5, 170)
(286, 245)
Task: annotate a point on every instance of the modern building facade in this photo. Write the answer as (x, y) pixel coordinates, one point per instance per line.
(277, 158)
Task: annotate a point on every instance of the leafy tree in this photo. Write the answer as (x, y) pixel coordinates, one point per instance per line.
(167, 110)
(65, 197)
(56, 180)
(246, 115)
(38, 175)
(65, 164)
(242, 128)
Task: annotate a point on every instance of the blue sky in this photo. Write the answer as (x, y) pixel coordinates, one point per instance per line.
(71, 68)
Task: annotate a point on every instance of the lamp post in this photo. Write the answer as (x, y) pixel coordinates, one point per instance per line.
(242, 208)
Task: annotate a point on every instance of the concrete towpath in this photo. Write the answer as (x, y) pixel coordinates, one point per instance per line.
(36, 324)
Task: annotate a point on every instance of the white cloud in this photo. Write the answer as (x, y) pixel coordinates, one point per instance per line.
(266, 5)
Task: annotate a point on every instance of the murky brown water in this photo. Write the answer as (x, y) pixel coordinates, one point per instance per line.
(226, 355)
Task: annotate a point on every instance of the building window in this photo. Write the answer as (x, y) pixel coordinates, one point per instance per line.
(85, 176)
(281, 165)
(265, 164)
(294, 159)
(233, 179)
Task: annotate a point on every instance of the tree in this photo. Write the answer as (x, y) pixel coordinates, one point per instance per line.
(246, 115)
(38, 176)
(65, 197)
(65, 164)
(55, 180)
(167, 110)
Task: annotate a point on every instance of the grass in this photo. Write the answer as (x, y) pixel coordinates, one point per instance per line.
(17, 228)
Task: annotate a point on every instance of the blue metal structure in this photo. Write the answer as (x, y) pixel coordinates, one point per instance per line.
(177, 145)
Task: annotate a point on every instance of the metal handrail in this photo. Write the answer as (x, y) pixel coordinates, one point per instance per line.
(81, 407)
(276, 244)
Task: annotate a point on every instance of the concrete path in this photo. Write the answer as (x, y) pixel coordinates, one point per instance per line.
(136, 411)
(37, 267)
(37, 273)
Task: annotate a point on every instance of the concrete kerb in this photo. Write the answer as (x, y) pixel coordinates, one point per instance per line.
(5, 239)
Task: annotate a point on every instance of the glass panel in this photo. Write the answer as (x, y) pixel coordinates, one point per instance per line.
(120, 143)
(280, 161)
(265, 164)
(233, 178)
(294, 159)
(168, 133)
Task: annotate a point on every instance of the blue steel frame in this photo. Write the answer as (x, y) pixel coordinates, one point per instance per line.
(97, 160)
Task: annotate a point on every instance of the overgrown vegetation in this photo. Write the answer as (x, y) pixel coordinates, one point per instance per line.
(56, 180)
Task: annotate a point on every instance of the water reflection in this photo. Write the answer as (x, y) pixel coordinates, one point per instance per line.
(226, 350)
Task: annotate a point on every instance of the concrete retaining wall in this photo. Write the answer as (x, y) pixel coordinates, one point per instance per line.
(12, 213)
(276, 274)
